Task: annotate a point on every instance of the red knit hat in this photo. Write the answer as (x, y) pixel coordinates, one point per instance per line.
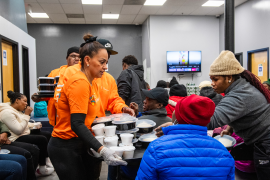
(194, 109)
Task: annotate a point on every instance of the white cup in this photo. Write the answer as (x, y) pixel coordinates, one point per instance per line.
(37, 125)
(95, 153)
(127, 138)
(109, 130)
(128, 152)
(98, 129)
(118, 150)
(100, 139)
(111, 141)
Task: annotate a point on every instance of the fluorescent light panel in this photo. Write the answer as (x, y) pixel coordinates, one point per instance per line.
(110, 16)
(91, 1)
(213, 3)
(38, 15)
(154, 2)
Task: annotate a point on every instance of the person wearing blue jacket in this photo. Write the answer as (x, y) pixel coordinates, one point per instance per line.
(185, 151)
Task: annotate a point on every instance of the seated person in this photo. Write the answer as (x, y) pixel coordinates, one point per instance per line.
(162, 84)
(154, 105)
(206, 90)
(185, 151)
(11, 114)
(29, 151)
(266, 84)
(177, 92)
(12, 167)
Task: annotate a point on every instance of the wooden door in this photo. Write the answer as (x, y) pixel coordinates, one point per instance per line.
(259, 65)
(7, 70)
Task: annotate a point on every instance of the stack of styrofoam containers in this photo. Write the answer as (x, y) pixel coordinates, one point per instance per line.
(192, 89)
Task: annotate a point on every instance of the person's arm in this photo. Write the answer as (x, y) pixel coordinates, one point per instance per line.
(124, 85)
(4, 129)
(10, 120)
(228, 110)
(148, 167)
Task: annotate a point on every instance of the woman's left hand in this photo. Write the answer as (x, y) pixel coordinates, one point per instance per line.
(128, 111)
(3, 138)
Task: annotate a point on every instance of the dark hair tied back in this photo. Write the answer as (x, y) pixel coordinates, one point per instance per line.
(13, 96)
(91, 39)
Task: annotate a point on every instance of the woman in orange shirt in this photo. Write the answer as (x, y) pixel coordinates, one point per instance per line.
(78, 105)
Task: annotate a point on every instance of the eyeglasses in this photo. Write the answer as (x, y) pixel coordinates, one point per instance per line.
(74, 56)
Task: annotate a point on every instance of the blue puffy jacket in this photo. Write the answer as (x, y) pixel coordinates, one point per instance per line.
(186, 152)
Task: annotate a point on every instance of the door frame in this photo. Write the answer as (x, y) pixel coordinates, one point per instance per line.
(25, 69)
(254, 51)
(241, 55)
(16, 72)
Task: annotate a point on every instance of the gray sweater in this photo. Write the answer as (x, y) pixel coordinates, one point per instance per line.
(245, 109)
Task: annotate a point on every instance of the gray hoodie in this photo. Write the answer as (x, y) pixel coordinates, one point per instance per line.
(245, 109)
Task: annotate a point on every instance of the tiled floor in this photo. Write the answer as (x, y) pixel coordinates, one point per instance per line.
(103, 174)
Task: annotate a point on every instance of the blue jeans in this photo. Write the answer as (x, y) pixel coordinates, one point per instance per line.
(12, 167)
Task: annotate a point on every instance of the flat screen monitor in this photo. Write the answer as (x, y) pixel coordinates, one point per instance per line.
(184, 61)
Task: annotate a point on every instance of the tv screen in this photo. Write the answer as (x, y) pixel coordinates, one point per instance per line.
(184, 61)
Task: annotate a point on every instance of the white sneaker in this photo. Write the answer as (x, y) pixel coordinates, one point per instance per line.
(48, 171)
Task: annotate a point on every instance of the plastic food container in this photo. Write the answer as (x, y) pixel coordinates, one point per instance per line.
(46, 92)
(224, 139)
(45, 80)
(100, 139)
(118, 150)
(111, 141)
(128, 152)
(56, 79)
(46, 87)
(119, 115)
(134, 141)
(125, 123)
(145, 125)
(131, 131)
(109, 130)
(105, 120)
(96, 154)
(146, 139)
(99, 129)
(126, 138)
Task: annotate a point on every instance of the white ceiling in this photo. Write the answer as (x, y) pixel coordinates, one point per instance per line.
(129, 14)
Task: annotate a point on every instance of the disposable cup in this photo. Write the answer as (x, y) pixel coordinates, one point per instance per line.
(118, 150)
(110, 130)
(128, 152)
(98, 129)
(126, 138)
(111, 141)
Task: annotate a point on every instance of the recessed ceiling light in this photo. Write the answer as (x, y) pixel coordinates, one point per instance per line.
(38, 15)
(110, 16)
(91, 1)
(213, 3)
(154, 2)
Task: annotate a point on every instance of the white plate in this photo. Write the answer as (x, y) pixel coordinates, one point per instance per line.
(4, 151)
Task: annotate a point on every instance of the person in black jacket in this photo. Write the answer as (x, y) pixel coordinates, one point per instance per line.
(206, 90)
(131, 81)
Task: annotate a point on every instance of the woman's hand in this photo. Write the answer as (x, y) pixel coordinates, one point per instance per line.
(159, 128)
(128, 111)
(110, 157)
(3, 138)
(135, 107)
(28, 110)
(227, 131)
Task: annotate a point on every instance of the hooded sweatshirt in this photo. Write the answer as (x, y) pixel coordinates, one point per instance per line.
(16, 121)
(171, 105)
(129, 83)
(210, 93)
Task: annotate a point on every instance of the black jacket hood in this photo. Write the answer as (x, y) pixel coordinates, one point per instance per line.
(138, 69)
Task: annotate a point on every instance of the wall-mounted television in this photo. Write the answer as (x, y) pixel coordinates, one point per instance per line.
(184, 61)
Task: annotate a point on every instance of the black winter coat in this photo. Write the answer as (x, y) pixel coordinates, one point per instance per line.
(129, 83)
(210, 93)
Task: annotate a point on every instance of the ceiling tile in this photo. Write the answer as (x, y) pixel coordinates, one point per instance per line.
(119, 2)
(149, 10)
(217, 11)
(76, 19)
(113, 9)
(61, 22)
(30, 19)
(167, 10)
(125, 18)
(174, 2)
(140, 19)
(72, 8)
(238, 2)
(48, 1)
(131, 9)
(52, 8)
(77, 22)
(93, 17)
(109, 21)
(36, 8)
(58, 17)
(194, 2)
(185, 10)
(29, 1)
(43, 20)
(93, 22)
(202, 10)
(92, 9)
(71, 1)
